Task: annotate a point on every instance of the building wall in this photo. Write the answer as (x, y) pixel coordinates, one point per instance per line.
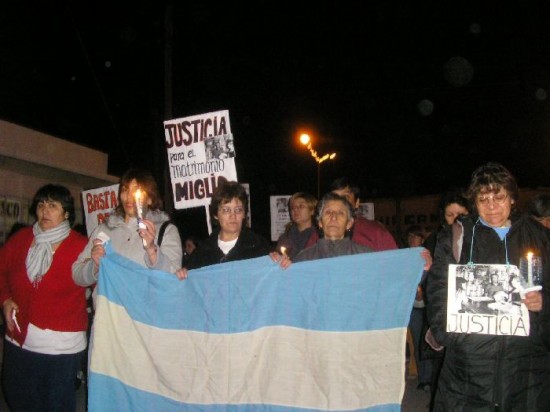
(398, 214)
(30, 159)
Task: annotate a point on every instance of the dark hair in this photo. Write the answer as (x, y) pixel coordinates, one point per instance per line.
(333, 196)
(145, 181)
(540, 206)
(225, 193)
(343, 182)
(448, 198)
(57, 193)
(416, 230)
(490, 178)
(193, 239)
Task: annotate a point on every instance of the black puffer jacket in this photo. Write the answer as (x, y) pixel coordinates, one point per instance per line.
(249, 245)
(487, 372)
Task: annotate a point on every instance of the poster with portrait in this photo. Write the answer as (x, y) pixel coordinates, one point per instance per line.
(486, 299)
(278, 206)
(98, 204)
(366, 210)
(201, 154)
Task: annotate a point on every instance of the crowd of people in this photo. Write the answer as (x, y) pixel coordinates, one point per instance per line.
(46, 270)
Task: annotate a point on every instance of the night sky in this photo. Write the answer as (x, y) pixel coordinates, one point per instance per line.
(412, 96)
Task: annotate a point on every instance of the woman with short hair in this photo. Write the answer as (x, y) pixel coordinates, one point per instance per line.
(480, 371)
(44, 310)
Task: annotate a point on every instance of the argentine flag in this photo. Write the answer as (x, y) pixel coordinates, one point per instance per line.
(324, 335)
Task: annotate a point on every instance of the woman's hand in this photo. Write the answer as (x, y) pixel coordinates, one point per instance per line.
(98, 251)
(182, 274)
(427, 257)
(9, 306)
(283, 260)
(533, 301)
(148, 233)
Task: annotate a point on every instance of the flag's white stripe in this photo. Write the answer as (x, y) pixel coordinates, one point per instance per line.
(276, 365)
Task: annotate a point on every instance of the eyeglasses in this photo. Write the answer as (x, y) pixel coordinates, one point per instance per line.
(499, 198)
(298, 207)
(228, 210)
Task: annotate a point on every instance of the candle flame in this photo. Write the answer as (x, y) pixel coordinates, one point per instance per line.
(137, 195)
(529, 255)
(283, 250)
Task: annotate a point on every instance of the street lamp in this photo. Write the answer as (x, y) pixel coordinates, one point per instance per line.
(306, 141)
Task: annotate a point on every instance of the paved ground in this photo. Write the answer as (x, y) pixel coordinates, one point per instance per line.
(414, 400)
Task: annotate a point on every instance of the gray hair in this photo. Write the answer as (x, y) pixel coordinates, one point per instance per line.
(333, 196)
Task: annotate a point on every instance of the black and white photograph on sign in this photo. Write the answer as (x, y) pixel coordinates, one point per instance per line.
(280, 218)
(486, 299)
(219, 147)
(366, 210)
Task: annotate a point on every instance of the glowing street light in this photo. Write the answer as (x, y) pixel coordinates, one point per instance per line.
(306, 141)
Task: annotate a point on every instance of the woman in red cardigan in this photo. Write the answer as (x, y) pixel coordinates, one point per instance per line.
(44, 310)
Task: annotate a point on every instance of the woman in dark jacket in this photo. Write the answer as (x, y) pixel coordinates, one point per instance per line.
(490, 372)
(231, 239)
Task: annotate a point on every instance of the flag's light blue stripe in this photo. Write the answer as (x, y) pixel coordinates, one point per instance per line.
(247, 295)
(135, 400)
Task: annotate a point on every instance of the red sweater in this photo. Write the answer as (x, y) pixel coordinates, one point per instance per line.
(366, 232)
(57, 303)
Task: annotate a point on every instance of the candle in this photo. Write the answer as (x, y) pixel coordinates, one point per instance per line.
(530, 269)
(138, 196)
(139, 203)
(283, 250)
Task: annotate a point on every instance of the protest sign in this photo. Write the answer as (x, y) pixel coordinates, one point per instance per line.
(98, 205)
(485, 299)
(278, 206)
(201, 154)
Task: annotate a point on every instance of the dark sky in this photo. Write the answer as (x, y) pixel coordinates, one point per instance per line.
(411, 95)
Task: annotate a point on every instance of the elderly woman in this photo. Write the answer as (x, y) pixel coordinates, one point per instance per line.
(335, 218)
(230, 240)
(156, 244)
(301, 207)
(489, 372)
(44, 310)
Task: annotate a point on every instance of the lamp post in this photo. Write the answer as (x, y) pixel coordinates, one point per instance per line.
(306, 141)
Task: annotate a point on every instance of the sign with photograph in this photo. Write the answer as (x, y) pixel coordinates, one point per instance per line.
(98, 204)
(486, 299)
(278, 206)
(366, 210)
(201, 153)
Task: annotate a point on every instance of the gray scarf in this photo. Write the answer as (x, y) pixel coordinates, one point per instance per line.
(40, 256)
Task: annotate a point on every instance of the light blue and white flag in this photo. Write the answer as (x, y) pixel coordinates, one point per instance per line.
(325, 335)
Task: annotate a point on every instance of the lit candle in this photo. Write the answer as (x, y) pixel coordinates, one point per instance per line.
(139, 204)
(283, 250)
(138, 196)
(530, 269)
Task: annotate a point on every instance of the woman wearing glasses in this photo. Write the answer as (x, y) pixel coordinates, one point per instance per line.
(231, 239)
(489, 372)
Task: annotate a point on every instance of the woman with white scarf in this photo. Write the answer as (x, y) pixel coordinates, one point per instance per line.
(44, 310)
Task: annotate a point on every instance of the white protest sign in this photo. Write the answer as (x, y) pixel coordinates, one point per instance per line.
(366, 210)
(201, 154)
(98, 205)
(278, 207)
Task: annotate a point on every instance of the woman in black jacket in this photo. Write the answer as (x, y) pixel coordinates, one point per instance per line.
(485, 372)
(230, 240)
